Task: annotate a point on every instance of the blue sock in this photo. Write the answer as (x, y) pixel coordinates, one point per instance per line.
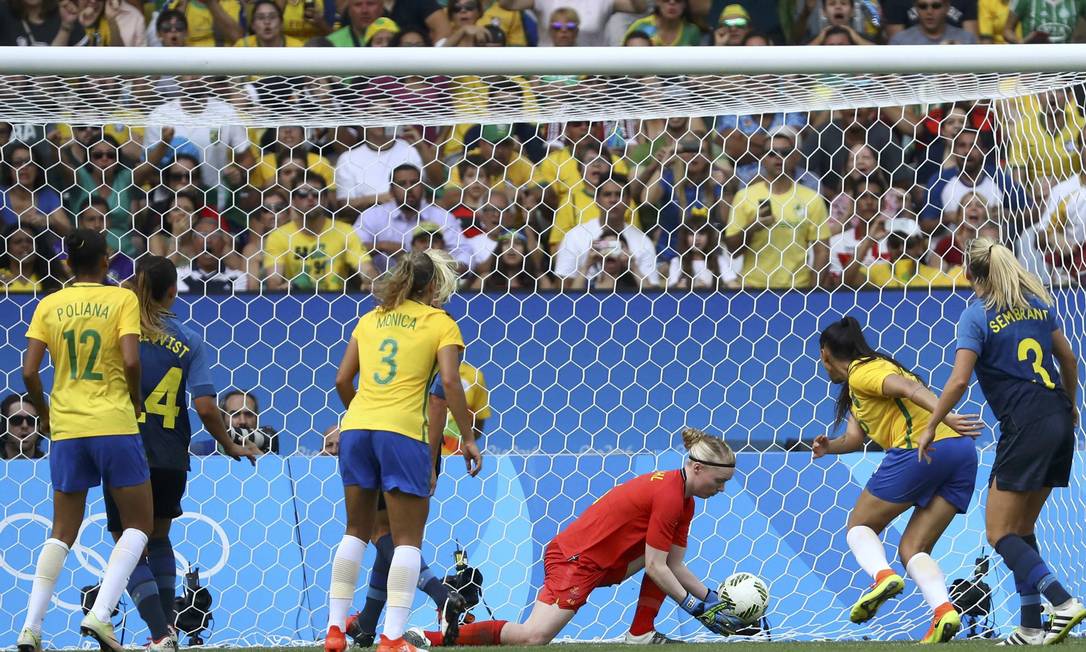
(375, 599)
(144, 592)
(432, 586)
(1028, 595)
(1029, 569)
(161, 561)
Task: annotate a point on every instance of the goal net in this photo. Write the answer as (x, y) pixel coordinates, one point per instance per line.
(613, 292)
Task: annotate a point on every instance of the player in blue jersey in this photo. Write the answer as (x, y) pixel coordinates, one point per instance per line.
(174, 359)
(1011, 337)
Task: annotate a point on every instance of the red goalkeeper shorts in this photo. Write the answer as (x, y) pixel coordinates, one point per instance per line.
(567, 581)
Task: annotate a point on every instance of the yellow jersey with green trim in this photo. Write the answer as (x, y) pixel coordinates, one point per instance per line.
(397, 361)
(82, 326)
(889, 422)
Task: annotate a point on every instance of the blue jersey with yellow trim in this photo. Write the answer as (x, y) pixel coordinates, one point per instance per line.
(1014, 353)
(171, 363)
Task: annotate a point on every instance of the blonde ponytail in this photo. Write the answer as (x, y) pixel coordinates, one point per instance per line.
(705, 448)
(413, 275)
(1002, 281)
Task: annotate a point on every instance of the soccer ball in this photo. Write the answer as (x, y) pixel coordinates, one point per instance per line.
(250, 437)
(744, 596)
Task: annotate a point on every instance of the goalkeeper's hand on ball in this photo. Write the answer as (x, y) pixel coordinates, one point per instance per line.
(712, 613)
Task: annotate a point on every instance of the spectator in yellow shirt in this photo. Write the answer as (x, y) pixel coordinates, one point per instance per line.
(314, 252)
(306, 19)
(594, 165)
(991, 20)
(560, 173)
(266, 28)
(904, 267)
(777, 225)
(1043, 136)
(211, 23)
(290, 139)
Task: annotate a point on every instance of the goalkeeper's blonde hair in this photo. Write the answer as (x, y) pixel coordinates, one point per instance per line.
(1002, 282)
(704, 446)
(413, 275)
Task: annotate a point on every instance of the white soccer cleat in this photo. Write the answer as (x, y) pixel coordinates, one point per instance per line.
(167, 643)
(1064, 619)
(1024, 636)
(101, 632)
(651, 637)
(29, 641)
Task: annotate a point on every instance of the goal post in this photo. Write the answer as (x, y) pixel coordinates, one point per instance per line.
(585, 387)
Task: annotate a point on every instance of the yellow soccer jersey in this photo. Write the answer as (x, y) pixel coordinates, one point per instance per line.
(906, 274)
(308, 261)
(889, 422)
(397, 355)
(294, 23)
(1039, 151)
(202, 31)
(251, 42)
(777, 257)
(82, 326)
(478, 399)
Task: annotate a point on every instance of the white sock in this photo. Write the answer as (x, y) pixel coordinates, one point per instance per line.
(929, 577)
(345, 567)
(122, 561)
(867, 549)
(50, 561)
(403, 574)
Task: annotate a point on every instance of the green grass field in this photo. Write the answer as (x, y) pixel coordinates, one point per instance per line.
(1071, 645)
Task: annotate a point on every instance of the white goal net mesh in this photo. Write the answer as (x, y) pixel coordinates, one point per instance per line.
(613, 291)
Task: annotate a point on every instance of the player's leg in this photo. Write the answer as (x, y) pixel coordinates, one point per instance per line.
(406, 471)
(1008, 513)
(925, 527)
(650, 599)
(362, 627)
(122, 462)
(407, 519)
(868, 518)
(360, 471)
(68, 509)
(141, 584)
(163, 565)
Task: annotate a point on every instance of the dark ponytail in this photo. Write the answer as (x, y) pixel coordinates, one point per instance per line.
(844, 340)
(86, 249)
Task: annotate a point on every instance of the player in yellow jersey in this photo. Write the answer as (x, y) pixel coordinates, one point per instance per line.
(92, 333)
(395, 351)
(889, 404)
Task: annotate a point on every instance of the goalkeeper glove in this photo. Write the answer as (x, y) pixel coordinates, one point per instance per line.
(695, 607)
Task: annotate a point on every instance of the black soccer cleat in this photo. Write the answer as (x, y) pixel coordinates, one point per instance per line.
(454, 607)
(354, 631)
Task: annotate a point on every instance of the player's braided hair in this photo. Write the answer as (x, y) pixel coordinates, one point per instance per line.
(1002, 282)
(845, 340)
(414, 274)
(155, 276)
(706, 447)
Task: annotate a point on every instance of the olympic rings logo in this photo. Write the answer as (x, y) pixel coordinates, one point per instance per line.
(94, 563)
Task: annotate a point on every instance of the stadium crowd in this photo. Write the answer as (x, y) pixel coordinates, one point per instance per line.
(854, 198)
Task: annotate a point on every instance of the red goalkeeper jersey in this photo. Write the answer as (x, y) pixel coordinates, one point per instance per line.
(651, 508)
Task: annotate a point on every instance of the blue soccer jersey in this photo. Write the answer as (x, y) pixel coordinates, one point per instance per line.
(1014, 353)
(170, 364)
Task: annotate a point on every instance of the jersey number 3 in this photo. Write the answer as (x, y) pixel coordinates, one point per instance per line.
(390, 348)
(1030, 346)
(163, 399)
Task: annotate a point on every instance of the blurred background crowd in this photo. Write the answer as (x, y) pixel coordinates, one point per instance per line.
(824, 199)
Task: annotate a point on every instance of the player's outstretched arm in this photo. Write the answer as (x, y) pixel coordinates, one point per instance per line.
(964, 362)
(850, 442)
(211, 416)
(448, 359)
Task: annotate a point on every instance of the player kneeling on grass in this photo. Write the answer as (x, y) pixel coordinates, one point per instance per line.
(1011, 337)
(642, 523)
(892, 407)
